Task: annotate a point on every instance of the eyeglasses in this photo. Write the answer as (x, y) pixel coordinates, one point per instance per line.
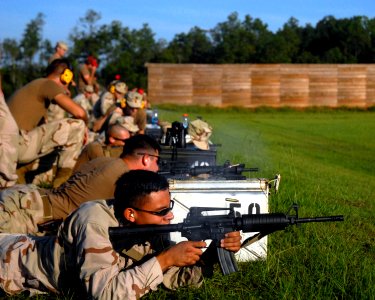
(160, 213)
(144, 153)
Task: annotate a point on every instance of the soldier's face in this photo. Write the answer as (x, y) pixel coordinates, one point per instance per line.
(156, 209)
(131, 111)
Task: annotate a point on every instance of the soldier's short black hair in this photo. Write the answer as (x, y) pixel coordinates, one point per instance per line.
(133, 186)
(139, 142)
(58, 66)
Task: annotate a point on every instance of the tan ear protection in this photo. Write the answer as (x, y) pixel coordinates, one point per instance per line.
(66, 77)
(132, 215)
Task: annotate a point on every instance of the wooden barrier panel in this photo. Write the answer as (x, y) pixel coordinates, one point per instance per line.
(253, 85)
(236, 85)
(370, 85)
(351, 85)
(206, 87)
(323, 85)
(294, 85)
(265, 85)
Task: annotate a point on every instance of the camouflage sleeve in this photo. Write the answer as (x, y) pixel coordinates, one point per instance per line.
(188, 276)
(114, 116)
(102, 270)
(107, 102)
(8, 147)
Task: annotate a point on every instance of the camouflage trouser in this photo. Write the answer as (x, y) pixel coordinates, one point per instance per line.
(42, 140)
(20, 264)
(8, 145)
(22, 209)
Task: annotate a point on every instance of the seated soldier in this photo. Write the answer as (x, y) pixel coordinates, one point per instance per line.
(132, 107)
(86, 100)
(81, 258)
(24, 207)
(37, 137)
(109, 143)
(107, 102)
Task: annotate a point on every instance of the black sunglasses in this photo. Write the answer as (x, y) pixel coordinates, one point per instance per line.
(144, 153)
(160, 213)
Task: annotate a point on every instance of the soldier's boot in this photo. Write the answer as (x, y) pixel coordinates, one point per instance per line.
(62, 175)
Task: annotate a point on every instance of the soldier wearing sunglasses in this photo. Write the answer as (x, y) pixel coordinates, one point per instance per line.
(81, 258)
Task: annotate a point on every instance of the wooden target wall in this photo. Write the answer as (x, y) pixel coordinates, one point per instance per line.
(252, 85)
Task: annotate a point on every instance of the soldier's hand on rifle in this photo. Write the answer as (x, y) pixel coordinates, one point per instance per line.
(232, 241)
(182, 254)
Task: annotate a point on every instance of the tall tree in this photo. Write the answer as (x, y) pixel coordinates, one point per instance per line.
(32, 38)
(290, 38)
(236, 41)
(11, 73)
(83, 36)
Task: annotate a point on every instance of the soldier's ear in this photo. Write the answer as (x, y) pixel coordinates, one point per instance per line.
(129, 214)
(145, 160)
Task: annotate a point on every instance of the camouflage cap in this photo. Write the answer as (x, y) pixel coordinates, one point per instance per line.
(121, 87)
(134, 99)
(62, 45)
(89, 88)
(128, 123)
(200, 133)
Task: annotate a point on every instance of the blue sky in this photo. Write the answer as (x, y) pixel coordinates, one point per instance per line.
(167, 18)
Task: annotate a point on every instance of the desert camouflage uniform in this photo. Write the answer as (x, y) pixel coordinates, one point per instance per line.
(65, 133)
(84, 102)
(22, 208)
(106, 101)
(55, 112)
(82, 258)
(88, 106)
(8, 145)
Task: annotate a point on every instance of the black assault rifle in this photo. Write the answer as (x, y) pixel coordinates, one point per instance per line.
(227, 171)
(197, 227)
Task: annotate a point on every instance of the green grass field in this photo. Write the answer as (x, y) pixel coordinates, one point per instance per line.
(326, 161)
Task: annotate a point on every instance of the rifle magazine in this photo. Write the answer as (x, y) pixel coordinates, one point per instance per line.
(227, 261)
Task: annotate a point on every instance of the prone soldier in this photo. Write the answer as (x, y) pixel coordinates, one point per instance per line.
(108, 143)
(91, 265)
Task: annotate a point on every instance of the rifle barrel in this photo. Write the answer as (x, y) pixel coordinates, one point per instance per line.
(250, 170)
(321, 219)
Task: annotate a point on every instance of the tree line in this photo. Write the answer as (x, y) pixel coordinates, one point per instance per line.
(124, 51)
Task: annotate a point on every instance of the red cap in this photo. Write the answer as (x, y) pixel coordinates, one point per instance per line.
(91, 60)
(117, 76)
